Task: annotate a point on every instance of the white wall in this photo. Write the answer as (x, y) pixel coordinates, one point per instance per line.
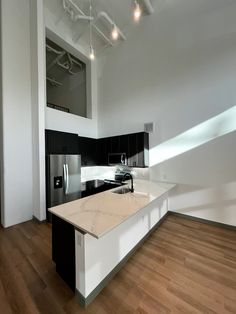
(176, 72)
(206, 180)
(164, 75)
(38, 100)
(59, 29)
(17, 202)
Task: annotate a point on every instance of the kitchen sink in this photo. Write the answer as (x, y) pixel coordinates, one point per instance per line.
(122, 190)
(96, 186)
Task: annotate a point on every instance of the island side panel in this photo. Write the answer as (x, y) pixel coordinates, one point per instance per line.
(96, 259)
(80, 262)
(63, 249)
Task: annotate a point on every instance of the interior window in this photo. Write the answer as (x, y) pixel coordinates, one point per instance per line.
(66, 81)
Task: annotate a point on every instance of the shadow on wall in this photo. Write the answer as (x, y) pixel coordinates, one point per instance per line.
(215, 203)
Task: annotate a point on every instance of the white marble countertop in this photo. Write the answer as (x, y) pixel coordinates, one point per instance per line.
(97, 214)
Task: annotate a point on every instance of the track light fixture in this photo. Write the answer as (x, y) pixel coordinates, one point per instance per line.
(137, 11)
(91, 53)
(114, 33)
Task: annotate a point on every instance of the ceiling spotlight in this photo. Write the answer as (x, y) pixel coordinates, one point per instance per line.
(137, 11)
(91, 55)
(115, 33)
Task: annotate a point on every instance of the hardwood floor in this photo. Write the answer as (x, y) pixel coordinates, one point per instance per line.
(183, 267)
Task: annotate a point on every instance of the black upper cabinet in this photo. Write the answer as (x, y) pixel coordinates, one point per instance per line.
(142, 149)
(115, 144)
(135, 146)
(138, 149)
(124, 144)
(103, 148)
(87, 148)
(95, 151)
(132, 151)
(61, 142)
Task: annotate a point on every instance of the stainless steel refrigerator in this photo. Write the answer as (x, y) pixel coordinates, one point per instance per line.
(63, 174)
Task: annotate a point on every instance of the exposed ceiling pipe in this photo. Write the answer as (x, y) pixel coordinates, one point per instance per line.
(103, 15)
(67, 65)
(147, 6)
(83, 17)
(53, 82)
(99, 32)
(56, 60)
(71, 8)
(49, 48)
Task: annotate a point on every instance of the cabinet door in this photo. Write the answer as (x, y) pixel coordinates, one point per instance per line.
(60, 142)
(124, 144)
(138, 146)
(82, 149)
(91, 152)
(132, 153)
(140, 149)
(88, 150)
(115, 144)
(103, 145)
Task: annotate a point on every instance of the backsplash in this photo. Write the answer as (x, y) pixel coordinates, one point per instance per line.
(106, 172)
(97, 172)
(140, 173)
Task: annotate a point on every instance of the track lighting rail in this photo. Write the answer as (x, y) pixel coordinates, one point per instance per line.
(104, 16)
(111, 32)
(148, 8)
(74, 11)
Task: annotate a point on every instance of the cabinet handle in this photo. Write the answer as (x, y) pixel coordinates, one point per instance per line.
(122, 159)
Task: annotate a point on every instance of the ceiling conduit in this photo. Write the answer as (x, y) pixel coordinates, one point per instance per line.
(76, 13)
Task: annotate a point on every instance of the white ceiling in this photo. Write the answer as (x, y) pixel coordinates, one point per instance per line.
(121, 12)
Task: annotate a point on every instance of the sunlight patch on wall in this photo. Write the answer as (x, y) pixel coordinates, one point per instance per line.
(204, 132)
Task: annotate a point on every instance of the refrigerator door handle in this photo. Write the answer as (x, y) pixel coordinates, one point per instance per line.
(65, 177)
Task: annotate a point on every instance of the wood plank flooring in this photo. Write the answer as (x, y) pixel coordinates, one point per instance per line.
(183, 267)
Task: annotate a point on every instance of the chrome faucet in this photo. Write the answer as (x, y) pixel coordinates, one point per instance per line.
(132, 180)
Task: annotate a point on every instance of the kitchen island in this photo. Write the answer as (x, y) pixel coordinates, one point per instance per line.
(94, 236)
